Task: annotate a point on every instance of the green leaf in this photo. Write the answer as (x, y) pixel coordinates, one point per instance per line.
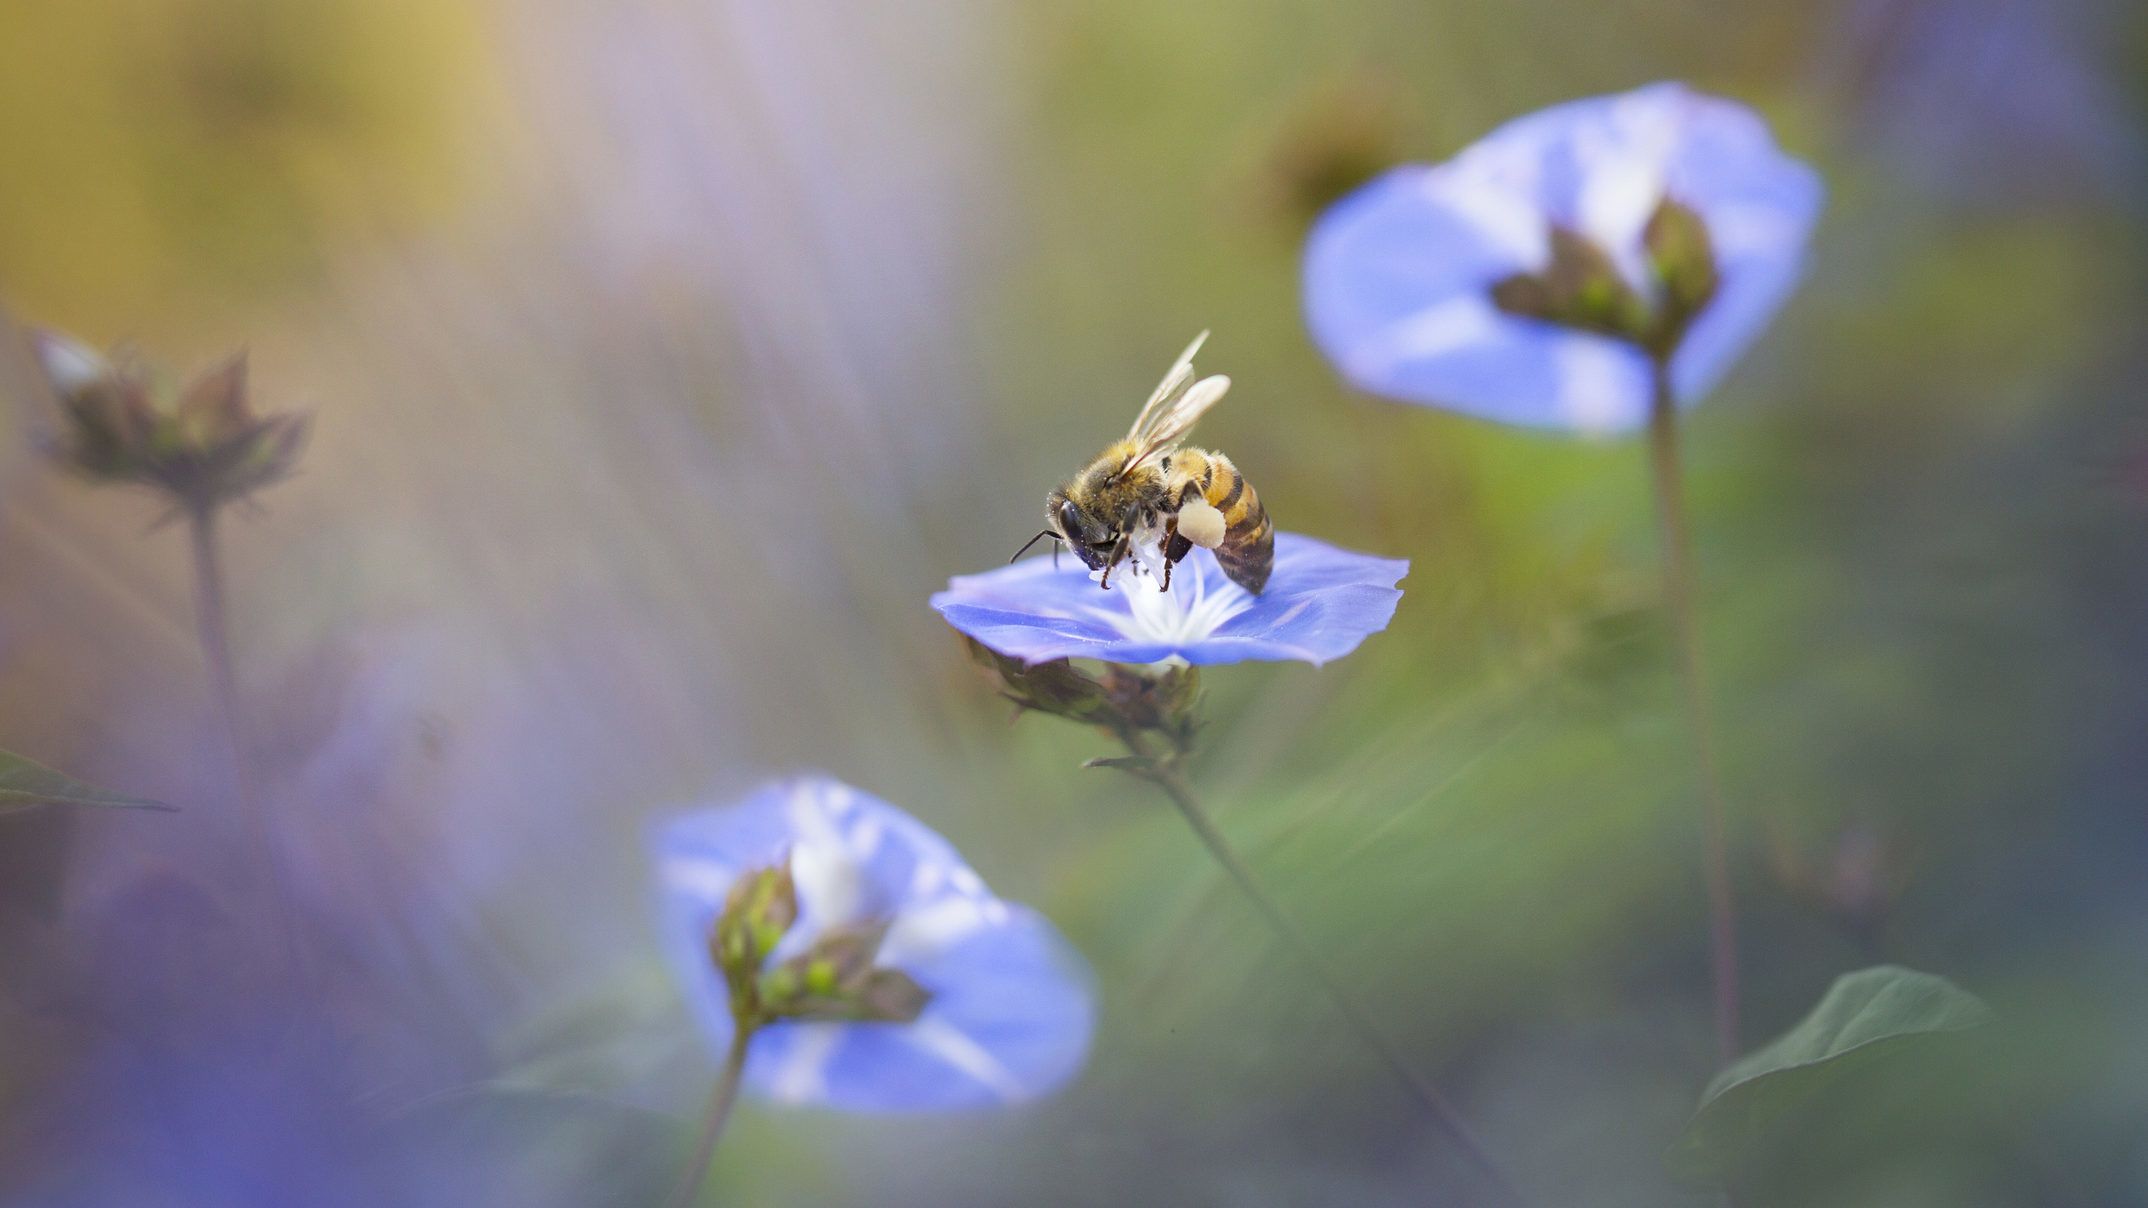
(1866, 1017)
(25, 784)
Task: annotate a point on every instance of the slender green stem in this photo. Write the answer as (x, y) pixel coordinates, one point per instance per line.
(1678, 593)
(1164, 773)
(721, 1100)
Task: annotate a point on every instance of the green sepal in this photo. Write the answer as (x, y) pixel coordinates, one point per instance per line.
(757, 913)
(1683, 257)
(836, 980)
(1580, 287)
(1163, 701)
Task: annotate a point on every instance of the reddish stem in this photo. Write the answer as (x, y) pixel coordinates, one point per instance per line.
(1678, 593)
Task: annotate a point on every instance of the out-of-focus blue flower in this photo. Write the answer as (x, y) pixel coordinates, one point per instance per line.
(1009, 1009)
(1399, 276)
(1318, 605)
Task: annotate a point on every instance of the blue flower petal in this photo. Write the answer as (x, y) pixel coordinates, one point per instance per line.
(1398, 274)
(1011, 1009)
(1320, 603)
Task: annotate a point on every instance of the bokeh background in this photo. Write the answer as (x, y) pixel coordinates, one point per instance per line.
(666, 355)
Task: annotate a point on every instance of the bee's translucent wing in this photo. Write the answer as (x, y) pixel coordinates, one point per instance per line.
(1167, 391)
(1177, 419)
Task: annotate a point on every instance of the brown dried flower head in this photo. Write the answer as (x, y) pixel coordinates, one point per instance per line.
(203, 444)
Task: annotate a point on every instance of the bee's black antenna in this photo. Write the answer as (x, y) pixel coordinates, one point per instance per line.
(1033, 540)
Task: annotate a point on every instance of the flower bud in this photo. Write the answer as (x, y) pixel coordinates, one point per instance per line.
(1684, 260)
(757, 913)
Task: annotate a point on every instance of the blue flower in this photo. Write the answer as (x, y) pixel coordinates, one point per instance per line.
(1399, 276)
(1319, 604)
(1008, 1012)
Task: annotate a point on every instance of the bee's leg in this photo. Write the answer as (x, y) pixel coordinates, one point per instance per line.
(1118, 555)
(1175, 547)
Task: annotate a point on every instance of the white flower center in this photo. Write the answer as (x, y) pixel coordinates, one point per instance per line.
(827, 864)
(1201, 599)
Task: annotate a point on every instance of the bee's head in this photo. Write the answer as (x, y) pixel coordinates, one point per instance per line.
(1088, 536)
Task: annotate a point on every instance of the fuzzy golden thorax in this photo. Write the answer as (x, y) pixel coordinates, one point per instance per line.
(1102, 505)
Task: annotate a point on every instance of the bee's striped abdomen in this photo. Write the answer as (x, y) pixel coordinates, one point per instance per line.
(1247, 553)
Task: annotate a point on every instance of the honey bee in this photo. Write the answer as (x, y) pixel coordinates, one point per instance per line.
(1151, 498)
